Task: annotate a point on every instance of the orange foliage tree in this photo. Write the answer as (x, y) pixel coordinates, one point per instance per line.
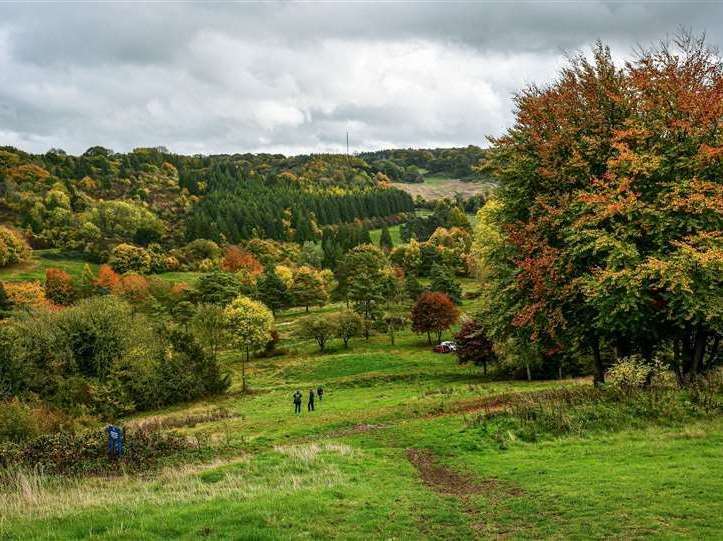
(433, 312)
(28, 296)
(132, 287)
(236, 260)
(611, 209)
(107, 279)
(59, 287)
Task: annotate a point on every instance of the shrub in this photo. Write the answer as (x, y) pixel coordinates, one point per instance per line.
(6, 304)
(13, 248)
(17, 422)
(27, 296)
(59, 287)
(107, 279)
(128, 258)
(98, 356)
(206, 265)
(628, 374)
(133, 288)
(86, 452)
(187, 372)
(196, 251)
(578, 410)
(20, 422)
(171, 263)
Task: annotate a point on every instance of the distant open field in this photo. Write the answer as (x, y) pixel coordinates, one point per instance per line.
(435, 187)
(34, 270)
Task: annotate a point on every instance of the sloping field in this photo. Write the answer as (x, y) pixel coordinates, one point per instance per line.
(404, 445)
(434, 188)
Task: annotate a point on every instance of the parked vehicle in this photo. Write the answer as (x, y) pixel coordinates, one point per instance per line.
(445, 347)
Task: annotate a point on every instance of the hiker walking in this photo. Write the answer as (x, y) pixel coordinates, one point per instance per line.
(320, 392)
(297, 401)
(310, 405)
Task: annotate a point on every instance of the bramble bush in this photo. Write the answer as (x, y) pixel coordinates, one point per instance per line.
(86, 452)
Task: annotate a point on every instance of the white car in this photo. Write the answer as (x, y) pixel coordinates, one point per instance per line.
(445, 347)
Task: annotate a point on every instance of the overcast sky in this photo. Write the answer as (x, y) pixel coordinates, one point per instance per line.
(294, 77)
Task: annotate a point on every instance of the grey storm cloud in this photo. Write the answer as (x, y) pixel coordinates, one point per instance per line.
(294, 77)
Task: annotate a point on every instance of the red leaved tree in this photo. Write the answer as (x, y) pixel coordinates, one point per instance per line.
(433, 312)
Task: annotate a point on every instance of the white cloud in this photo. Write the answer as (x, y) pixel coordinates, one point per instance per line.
(291, 77)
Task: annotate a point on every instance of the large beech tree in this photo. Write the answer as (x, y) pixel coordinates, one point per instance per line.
(608, 222)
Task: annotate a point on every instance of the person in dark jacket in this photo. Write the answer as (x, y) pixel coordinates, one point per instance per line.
(310, 405)
(320, 392)
(297, 401)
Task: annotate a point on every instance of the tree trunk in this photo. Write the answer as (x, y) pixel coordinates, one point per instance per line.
(529, 374)
(622, 347)
(244, 360)
(713, 352)
(701, 338)
(484, 367)
(429, 338)
(599, 368)
(676, 363)
(307, 309)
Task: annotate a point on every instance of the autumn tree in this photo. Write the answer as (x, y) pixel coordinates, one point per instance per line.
(13, 248)
(107, 279)
(473, 346)
(133, 288)
(249, 324)
(433, 312)
(237, 260)
(308, 288)
(59, 287)
(609, 209)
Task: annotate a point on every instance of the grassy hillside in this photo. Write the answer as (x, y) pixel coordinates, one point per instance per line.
(401, 447)
(42, 260)
(438, 187)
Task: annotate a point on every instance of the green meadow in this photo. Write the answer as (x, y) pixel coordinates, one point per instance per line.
(406, 444)
(73, 264)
